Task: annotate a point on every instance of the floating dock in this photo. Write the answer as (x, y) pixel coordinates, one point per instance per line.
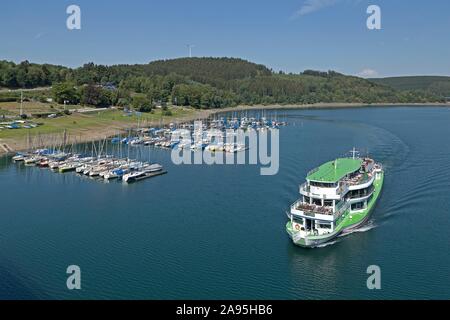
(148, 175)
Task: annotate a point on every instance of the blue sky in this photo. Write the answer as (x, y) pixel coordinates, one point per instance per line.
(291, 35)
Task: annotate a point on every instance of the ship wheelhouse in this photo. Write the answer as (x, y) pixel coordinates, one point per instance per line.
(342, 186)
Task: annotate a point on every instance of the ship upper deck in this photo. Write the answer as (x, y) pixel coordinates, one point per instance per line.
(335, 170)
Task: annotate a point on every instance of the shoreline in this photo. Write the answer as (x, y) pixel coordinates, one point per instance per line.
(95, 134)
(89, 135)
(331, 105)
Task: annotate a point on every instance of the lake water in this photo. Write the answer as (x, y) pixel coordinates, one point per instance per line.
(203, 232)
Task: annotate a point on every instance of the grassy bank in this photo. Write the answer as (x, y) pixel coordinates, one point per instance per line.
(94, 125)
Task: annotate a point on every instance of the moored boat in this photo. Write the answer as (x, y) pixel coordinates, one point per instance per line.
(19, 157)
(145, 172)
(31, 160)
(72, 166)
(43, 163)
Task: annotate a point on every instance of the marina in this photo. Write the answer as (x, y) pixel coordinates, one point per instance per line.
(64, 155)
(103, 167)
(211, 135)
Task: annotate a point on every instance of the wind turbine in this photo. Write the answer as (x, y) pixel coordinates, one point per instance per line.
(190, 46)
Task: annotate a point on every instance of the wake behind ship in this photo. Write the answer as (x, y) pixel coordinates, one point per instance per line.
(337, 196)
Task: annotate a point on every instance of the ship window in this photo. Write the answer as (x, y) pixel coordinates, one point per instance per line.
(324, 226)
(328, 203)
(358, 206)
(323, 184)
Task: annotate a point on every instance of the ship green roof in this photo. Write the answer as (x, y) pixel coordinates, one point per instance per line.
(335, 170)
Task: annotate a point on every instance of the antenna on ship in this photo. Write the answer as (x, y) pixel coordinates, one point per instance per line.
(354, 152)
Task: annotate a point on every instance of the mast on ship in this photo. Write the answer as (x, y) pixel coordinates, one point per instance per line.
(354, 153)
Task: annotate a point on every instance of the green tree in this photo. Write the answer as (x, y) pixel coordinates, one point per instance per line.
(141, 103)
(95, 95)
(65, 91)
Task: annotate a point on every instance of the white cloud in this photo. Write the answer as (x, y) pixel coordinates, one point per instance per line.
(39, 35)
(368, 73)
(310, 6)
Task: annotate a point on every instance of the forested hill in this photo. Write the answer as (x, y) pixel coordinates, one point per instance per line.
(439, 85)
(208, 69)
(201, 83)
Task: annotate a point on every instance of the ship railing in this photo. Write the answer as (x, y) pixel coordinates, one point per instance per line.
(294, 205)
(359, 179)
(360, 195)
(312, 208)
(316, 209)
(378, 166)
(297, 236)
(312, 171)
(340, 205)
(342, 189)
(305, 187)
(342, 208)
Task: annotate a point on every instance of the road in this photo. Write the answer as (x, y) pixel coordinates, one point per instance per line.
(3, 90)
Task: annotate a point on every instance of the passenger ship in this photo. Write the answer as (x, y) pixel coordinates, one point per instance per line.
(337, 197)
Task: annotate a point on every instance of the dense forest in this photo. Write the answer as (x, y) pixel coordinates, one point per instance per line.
(200, 83)
(438, 85)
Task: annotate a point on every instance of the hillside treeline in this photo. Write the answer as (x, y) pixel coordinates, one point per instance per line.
(200, 83)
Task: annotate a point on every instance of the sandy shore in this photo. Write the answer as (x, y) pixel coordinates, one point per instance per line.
(87, 135)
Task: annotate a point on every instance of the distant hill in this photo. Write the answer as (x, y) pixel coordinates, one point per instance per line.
(208, 68)
(439, 85)
(211, 83)
(214, 71)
